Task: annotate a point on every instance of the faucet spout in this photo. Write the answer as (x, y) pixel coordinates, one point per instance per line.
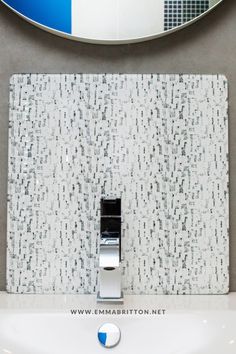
(110, 251)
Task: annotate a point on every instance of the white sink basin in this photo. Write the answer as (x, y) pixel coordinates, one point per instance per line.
(43, 324)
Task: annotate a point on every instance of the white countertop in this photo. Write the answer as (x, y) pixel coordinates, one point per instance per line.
(52, 303)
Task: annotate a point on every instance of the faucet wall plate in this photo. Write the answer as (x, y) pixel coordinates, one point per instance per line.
(105, 300)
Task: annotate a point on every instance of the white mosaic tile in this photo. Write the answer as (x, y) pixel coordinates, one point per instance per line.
(160, 142)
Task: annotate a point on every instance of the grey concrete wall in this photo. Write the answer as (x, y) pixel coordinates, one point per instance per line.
(209, 46)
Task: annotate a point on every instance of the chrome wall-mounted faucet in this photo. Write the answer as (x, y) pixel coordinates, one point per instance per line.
(110, 252)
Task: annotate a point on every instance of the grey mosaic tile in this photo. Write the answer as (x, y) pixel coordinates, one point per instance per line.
(158, 142)
(178, 12)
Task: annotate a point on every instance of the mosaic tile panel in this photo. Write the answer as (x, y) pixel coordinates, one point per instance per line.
(177, 12)
(158, 142)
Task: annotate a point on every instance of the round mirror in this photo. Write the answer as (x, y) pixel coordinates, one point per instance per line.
(111, 21)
